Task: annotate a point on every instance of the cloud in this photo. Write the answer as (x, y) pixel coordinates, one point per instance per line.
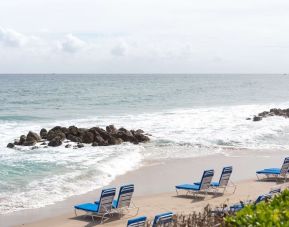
(71, 44)
(118, 50)
(9, 37)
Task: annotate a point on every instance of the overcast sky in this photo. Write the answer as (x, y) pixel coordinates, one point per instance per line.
(144, 36)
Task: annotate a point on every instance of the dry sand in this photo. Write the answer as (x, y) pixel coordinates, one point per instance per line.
(155, 192)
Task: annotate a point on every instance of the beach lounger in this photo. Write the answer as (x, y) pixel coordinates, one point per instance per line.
(101, 208)
(276, 172)
(124, 201)
(137, 222)
(239, 206)
(260, 198)
(165, 219)
(224, 180)
(196, 188)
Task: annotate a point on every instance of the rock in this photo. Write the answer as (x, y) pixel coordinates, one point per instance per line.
(88, 137)
(56, 132)
(125, 135)
(45, 147)
(139, 131)
(43, 133)
(55, 142)
(81, 132)
(51, 135)
(94, 144)
(141, 138)
(111, 129)
(67, 145)
(64, 130)
(104, 134)
(73, 130)
(263, 114)
(32, 136)
(29, 143)
(96, 136)
(22, 139)
(114, 141)
(256, 118)
(248, 118)
(10, 145)
(74, 138)
(100, 141)
(34, 147)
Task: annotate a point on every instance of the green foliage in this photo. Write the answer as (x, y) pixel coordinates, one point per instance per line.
(274, 212)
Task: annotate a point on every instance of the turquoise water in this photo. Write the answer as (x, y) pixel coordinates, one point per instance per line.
(187, 115)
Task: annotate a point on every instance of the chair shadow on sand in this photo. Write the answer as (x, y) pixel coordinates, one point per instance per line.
(273, 179)
(114, 217)
(200, 197)
(90, 222)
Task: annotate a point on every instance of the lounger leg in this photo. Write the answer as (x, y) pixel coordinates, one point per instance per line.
(177, 191)
(257, 176)
(75, 212)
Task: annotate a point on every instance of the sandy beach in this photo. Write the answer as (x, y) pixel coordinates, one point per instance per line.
(155, 193)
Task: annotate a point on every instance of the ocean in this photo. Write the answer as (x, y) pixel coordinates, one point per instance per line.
(187, 116)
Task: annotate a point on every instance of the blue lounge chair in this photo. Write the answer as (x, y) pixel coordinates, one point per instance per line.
(99, 208)
(137, 222)
(276, 172)
(202, 187)
(224, 180)
(164, 219)
(124, 200)
(239, 206)
(260, 198)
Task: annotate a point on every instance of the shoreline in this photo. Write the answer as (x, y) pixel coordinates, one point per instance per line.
(154, 179)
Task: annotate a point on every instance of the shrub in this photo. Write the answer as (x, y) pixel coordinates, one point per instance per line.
(274, 212)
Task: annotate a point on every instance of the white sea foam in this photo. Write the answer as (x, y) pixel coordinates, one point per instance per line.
(35, 178)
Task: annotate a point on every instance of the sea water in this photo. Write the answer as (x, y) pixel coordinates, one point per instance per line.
(187, 116)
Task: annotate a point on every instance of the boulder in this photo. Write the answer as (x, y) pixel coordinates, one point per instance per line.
(256, 118)
(80, 145)
(22, 140)
(139, 131)
(88, 137)
(10, 145)
(114, 141)
(125, 135)
(263, 114)
(32, 136)
(74, 138)
(73, 130)
(141, 138)
(67, 145)
(111, 129)
(100, 141)
(104, 134)
(64, 130)
(55, 133)
(43, 133)
(29, 143)
(94, 144)
(55, 142)
(51, 135)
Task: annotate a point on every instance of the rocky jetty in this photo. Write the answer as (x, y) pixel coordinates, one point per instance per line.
(95, 136)
(270, 113)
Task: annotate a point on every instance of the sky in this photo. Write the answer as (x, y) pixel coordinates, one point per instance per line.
(144, 36)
